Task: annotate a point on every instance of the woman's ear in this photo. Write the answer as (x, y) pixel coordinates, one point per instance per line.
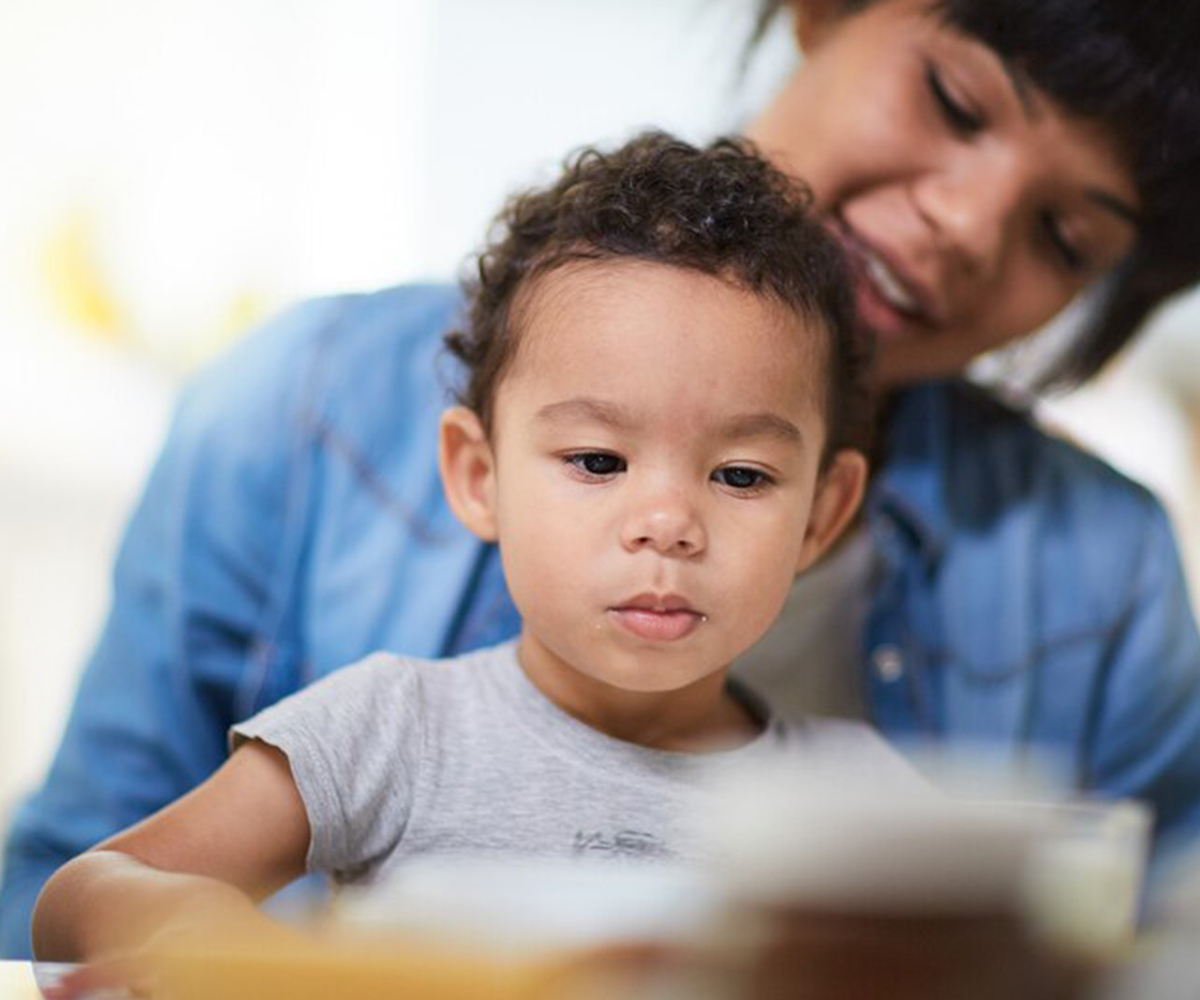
(839, 493)
(814, 19)
(468, 470)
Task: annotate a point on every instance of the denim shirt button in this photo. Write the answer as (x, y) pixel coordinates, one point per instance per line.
(888, 663)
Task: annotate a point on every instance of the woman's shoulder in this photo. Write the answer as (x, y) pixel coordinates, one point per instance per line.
(982, 457)
(354, 383)
(321, 358)
(349, 327)
(1022, 524)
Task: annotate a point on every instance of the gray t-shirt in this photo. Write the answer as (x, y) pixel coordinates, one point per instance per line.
(396, 757)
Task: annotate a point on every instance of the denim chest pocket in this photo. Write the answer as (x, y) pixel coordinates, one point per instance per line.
(1022, 653)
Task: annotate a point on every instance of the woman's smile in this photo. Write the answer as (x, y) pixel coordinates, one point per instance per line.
(890, 301)
(973, 208)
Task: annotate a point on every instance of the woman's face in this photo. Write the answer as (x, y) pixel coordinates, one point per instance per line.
(973, 208)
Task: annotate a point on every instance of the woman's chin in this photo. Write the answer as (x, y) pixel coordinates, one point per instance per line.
(902, 362)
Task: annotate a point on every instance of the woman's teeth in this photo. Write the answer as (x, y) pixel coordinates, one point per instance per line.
(889, 286)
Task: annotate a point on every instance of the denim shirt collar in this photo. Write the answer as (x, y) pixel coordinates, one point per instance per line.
(908, 489)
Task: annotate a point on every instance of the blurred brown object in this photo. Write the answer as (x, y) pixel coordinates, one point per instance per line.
(848, 956)
(814, 956)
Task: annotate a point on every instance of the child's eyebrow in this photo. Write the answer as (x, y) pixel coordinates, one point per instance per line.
(749, 425)
(762, 425)
(586, 408)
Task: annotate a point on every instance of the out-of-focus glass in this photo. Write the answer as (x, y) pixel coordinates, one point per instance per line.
(1084, 879)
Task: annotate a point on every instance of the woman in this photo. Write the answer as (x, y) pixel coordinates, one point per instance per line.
(1004, 585)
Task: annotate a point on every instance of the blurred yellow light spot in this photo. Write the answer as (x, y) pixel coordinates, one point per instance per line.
(246, 308)
(75, 279)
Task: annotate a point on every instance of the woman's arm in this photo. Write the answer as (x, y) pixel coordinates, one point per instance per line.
(191, 591)
(203, 861)
(1145, 735)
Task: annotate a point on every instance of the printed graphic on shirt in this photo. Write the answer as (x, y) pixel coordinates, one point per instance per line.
(621, 843)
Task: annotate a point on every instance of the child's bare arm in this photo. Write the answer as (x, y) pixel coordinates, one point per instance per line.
(207, 857)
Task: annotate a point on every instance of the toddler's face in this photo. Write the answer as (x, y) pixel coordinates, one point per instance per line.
(656, 449)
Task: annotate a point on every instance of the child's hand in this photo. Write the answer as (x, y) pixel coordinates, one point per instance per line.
(138, 972)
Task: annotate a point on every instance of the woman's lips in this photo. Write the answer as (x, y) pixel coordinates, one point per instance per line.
(657, 625)
(890, 288)
(888, 302)
(877, 315)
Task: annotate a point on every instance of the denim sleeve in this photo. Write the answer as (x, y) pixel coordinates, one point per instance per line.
(191, 584)
(1146, 736)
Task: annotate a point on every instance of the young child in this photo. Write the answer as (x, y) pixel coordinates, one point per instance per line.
(657, 425)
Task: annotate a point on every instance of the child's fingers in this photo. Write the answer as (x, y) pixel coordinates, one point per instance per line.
(107, 979)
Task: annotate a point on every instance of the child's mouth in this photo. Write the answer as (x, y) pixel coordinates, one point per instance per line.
(657, 624)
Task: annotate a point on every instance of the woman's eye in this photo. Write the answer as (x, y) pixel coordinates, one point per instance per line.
(960, 117)
(596, 463)
(738, 477)
(1066, 250)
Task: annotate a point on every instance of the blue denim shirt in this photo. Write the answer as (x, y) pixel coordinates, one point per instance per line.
(294, 521)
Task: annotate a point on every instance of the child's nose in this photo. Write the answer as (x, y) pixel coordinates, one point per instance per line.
(667, 522)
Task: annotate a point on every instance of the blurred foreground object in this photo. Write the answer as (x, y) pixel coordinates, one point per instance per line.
(1166, 966)
(476, 929)
(363, 971)
(815, 890)
(866, 895)
(17, 982)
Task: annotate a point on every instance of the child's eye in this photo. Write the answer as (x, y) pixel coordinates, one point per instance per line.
(959, 116)
(738, 477)
(596, 464)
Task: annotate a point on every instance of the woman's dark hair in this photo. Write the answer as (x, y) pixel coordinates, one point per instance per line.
(1132, 64)
(720, 210)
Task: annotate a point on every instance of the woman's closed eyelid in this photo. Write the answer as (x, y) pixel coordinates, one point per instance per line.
(1067, 248)
(964, 119)
(954, 109)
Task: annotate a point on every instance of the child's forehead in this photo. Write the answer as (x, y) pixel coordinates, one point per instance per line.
(588, 321)
(594, 290)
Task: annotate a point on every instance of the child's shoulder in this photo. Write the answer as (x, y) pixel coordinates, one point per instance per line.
(382, 698)
(388, 674)
(850, 749)
(825, 745)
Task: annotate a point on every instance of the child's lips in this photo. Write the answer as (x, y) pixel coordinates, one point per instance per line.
(657, 624)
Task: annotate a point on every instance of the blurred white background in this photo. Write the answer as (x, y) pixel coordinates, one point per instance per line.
(177, 170)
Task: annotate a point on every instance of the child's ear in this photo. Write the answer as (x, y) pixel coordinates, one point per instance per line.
(839, 492)
(468, 470)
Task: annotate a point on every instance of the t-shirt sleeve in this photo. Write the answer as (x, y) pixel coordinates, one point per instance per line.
(353, 743)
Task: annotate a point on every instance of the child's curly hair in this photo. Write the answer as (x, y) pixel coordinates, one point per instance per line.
(721, 210)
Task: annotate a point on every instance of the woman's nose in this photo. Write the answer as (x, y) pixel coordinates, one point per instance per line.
(969, 211)
(666, 522)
